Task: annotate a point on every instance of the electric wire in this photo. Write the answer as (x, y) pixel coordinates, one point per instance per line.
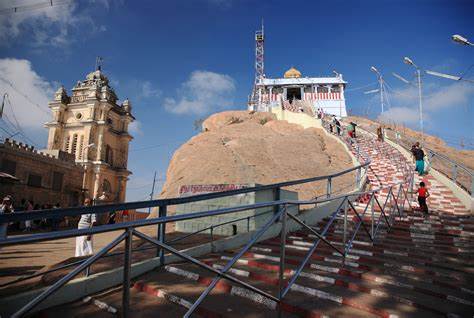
(360, 87)
(35, 6)
(15, 126)
(25, 96)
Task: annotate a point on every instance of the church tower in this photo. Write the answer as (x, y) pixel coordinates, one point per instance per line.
(94, 128)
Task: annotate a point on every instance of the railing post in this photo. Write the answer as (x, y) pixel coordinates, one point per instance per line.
(472, 186)
(358, 177)
(276, 197)
(161, 233)
(248, 224)
(372, 212)
(281, 272)
(127, 263)
(329, 186)
(344, 236)
(455, 172)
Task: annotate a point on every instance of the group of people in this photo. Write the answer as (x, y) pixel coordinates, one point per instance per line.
(84, 244)
(335, 123)
(27, 206)
(423, 193)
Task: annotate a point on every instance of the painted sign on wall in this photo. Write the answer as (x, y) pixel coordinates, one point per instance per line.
(194, 189)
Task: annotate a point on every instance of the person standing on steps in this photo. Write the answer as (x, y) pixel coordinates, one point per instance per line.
(84, 243)
(419, 155)
(380, 134)
(423, 194)
(338, 126)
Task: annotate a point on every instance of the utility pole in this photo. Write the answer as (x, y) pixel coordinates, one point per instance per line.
(380, 78)
(152, 191)
(5, 96)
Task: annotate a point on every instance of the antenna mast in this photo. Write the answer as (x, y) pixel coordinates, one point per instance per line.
(255, 98)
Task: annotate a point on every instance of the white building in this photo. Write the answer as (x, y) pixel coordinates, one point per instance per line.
(294, 92)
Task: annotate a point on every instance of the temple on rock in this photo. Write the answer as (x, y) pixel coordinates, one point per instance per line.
(296, 93)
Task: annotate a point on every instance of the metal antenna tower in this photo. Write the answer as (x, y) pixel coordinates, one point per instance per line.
(259, 67)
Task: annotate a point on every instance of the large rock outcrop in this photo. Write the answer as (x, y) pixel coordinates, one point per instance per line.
(238, 147)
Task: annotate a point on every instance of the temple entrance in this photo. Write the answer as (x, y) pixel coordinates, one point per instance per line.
(293, 93)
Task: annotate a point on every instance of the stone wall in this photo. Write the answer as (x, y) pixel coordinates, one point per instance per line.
(30, 161)
(237, 227)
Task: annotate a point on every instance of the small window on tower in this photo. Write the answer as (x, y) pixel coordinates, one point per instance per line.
(78, 116)
(322, 89)
(109, 121)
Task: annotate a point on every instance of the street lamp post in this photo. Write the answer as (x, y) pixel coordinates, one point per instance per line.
(461, 40)
(408, 61)
(380, 78)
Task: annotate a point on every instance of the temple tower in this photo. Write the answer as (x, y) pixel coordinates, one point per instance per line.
(94, 128)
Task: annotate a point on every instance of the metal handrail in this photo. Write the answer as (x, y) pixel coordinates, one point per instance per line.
(281, 215)
(129, 228)
(105, 208)
(434, 154)
(177, 239)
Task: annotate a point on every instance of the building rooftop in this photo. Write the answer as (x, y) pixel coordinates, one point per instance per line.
(301, 80)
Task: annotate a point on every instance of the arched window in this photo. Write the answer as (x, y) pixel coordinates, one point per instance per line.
(109, 155)
(74, 145)
(81, 146)
(67, 143)
(106, 187)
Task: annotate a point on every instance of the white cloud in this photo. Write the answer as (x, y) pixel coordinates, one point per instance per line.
(454, 95)
(400, 115)
(148, 91)
(136, 128)
(202, 93)
(435, 96)
(47, 25)
(26, 82)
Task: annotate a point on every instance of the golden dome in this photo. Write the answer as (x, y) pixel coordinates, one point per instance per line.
(292, 73)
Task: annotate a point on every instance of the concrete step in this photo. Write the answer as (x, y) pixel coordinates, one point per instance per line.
(187, 286)
(334, 264)
(296, 302)
(141, 305)
(363, 262)
(456, 294)
(427, 301)
(384, 255)
(422, 251)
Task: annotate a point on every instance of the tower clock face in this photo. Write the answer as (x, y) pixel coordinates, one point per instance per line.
(78, 116)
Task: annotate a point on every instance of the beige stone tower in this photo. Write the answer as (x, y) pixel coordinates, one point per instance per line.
(92, 126)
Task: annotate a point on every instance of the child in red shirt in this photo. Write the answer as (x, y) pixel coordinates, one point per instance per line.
(423, 194)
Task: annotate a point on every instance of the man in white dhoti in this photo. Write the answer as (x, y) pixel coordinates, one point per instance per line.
(84, 243)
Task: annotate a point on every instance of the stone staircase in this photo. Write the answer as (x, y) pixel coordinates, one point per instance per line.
(423, 266)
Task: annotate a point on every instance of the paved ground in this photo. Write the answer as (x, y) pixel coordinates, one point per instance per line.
(24, 260)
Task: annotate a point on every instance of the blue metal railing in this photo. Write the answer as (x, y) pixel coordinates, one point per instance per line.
(281, 216)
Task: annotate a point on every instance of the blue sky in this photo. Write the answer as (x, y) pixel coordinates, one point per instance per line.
(179, 61)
